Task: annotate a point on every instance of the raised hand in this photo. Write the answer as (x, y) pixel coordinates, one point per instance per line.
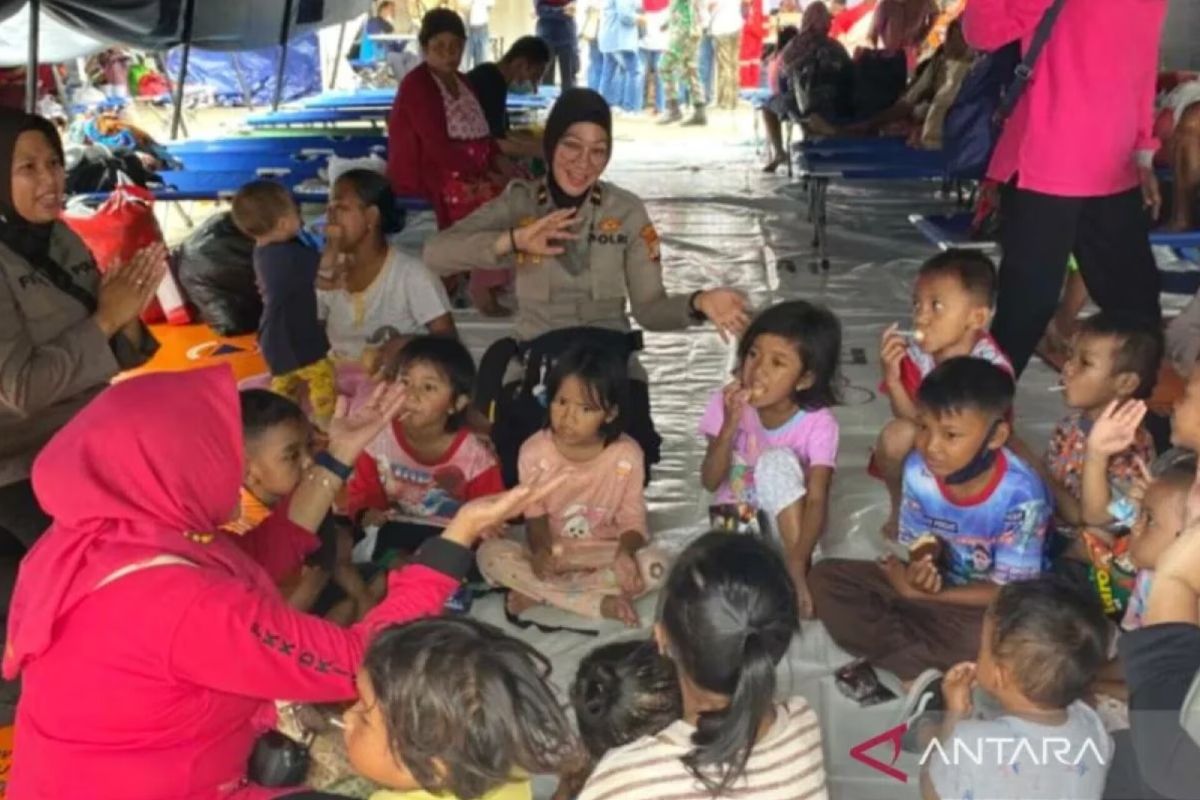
(957, 684)
(349, 433)
(726, 309)
(544, 237)
(1116, 428)
(892, 349)
(486, 513)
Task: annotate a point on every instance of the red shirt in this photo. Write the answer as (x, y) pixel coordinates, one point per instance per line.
(156, 684)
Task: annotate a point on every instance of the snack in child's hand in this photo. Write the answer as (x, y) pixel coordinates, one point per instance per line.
(926, 546)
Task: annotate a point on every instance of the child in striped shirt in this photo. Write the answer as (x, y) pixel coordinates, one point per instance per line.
(728, 616)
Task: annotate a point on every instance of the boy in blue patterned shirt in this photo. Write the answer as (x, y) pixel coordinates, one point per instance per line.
(973, 518)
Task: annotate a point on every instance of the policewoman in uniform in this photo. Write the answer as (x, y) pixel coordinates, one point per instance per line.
(580, 247)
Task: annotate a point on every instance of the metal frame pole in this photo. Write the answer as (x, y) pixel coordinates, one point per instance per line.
(31, 67)
(189, 13)
(337, 56)
(285, 30)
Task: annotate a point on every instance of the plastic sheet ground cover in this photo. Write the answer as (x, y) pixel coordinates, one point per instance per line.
(721, 221)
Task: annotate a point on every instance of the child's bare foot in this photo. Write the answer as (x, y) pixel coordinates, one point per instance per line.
(517, 603)
(620, 607)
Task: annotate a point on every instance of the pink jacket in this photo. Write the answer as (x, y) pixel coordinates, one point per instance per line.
(1090, 106)
(150, 654)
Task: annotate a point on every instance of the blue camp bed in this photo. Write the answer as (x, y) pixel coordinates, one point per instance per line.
(302, 146)
(251, 162)
(851, 144)
(362, 98)
(954, 230)
(883, 161)
(316, 116)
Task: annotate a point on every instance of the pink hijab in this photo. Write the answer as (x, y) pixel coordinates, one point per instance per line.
(147, 462)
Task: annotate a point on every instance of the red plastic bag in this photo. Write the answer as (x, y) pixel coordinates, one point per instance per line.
(118, 229)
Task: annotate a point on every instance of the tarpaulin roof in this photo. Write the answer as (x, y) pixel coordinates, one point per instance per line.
(158, 24)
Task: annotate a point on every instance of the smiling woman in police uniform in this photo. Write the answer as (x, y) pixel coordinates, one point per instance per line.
(579, 246)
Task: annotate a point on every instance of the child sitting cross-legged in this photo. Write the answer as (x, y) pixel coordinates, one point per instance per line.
(588, 543)
(452, 709)
(727, 618)
(416, 474)
(1094, 453)
(1042, 644)
(952, 307)
(277, 439)
(973, 518)
(772, 436)
(622, 692)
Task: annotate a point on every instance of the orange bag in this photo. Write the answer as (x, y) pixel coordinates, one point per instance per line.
(118, 229)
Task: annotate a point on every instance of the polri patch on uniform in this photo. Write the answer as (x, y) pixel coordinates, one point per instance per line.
(610, 225)
(650, 237)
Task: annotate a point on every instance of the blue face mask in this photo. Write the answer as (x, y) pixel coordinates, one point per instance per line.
(981, 463)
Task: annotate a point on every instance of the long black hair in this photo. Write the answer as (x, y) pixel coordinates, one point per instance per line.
(373, 189)
(729, 612)
(816, 334)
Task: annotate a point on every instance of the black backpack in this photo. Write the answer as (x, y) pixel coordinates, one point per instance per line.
(517, 409)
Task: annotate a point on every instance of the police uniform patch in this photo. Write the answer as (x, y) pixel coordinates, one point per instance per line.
(650, 237)
(610, 225)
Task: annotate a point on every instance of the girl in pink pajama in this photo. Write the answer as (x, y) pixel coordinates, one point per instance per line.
(587, 549)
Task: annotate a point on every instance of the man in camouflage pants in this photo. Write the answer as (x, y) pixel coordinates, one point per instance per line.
(679, 62)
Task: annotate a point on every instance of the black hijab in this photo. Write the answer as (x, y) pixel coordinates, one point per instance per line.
(574, 105)
(29, 240)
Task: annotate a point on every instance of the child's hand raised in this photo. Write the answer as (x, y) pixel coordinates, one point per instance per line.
(735, 396)
(1115, 428)
(892, 349)
(957, 684)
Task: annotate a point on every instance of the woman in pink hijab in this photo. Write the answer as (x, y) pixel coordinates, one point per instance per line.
(150, 649)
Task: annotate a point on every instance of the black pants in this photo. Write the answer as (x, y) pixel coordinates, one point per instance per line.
(1109, 236)
(20, 514)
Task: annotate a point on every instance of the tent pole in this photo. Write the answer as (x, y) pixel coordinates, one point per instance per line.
(337, 56)
(285, 31)
(189, 12)
(31, 66)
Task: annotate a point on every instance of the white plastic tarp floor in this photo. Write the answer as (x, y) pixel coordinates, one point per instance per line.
(722, 222)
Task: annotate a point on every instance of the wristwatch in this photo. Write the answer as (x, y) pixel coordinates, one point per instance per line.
(324, 459)
(696, 314)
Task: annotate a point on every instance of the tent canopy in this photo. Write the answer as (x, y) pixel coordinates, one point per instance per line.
(71, 28)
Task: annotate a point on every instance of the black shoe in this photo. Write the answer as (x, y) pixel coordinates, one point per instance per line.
(698, 118)
(671, 115)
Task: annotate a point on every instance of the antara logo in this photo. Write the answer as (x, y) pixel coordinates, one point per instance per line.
(996, 750)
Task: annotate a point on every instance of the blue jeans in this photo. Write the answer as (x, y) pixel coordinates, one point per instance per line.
(620, 79)
(477, 46)
(650, 63)
(595, 74)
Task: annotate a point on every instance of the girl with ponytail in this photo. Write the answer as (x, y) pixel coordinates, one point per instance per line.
(728, 615)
